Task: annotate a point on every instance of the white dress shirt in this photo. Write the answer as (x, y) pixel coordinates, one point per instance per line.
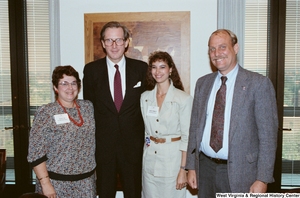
(230, 83)
(111, 74)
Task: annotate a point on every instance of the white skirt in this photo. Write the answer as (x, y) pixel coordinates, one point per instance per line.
(160, 187)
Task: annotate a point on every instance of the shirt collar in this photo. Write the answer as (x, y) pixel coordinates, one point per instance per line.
(111, 64)
(232, 74)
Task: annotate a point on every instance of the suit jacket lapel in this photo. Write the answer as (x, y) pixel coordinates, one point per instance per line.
(167, 101)
(131, 81)
(103, 84)
(239, 96)
(204, 97)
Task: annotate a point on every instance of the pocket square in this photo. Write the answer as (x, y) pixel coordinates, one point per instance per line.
(137, 84)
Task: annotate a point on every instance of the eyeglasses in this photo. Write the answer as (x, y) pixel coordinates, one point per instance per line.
(65, 84)
(110, 42)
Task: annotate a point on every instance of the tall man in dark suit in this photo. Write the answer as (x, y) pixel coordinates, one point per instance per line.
(244, 160)
(119, 123)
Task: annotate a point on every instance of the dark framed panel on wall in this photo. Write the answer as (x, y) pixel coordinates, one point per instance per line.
(151, 31)
(2, 169)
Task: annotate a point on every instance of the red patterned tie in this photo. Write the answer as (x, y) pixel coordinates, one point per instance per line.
(118, 89)
(217, 127)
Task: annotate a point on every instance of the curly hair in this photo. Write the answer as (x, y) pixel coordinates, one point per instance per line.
(165, 57)
(60, 71)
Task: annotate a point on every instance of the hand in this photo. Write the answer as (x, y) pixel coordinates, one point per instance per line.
(258, 187)
(48, 189)
(192, 181)
(181, 179)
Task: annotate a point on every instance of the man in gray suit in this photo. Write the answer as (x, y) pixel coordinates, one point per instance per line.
(245, 160)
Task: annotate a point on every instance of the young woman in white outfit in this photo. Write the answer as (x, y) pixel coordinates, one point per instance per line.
(166, 110)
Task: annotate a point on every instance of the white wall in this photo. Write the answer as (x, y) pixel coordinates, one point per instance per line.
(203, 23)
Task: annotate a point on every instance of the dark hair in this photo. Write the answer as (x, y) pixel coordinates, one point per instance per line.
(174, 76)
(233, 37)
(114, 24)
(60, 71)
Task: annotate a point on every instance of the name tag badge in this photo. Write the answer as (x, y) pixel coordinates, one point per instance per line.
(152, 111)
(61, 118)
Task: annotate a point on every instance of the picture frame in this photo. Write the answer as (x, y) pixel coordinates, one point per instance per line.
(151, 31)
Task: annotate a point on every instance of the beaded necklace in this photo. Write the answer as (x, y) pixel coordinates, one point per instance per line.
(80, 117)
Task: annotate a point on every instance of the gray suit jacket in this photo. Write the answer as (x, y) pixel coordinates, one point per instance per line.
(252, 133)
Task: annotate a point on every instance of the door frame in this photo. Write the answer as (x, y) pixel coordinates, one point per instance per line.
(20, 98)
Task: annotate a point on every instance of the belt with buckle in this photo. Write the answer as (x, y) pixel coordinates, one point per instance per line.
(216, 160)
(163, 140)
